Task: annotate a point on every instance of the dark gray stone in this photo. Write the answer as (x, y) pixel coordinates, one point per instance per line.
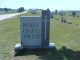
(45, 27)
(51, 15)
(35, 31)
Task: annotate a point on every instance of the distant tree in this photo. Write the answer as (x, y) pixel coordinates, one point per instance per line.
(56, 12)
(21, 9)
(6, 9)
(73, 13)
(1, 9)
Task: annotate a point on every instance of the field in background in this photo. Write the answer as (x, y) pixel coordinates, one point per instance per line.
(65, 34)
(8, 12)
(62, 34)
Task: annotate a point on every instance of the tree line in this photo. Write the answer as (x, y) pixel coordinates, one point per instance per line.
(20, 9)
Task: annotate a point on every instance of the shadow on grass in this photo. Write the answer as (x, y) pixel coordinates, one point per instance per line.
(52, 54)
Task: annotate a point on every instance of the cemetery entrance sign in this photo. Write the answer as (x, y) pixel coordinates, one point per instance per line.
(34, 31)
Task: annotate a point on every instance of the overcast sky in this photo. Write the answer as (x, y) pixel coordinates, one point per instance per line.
(42, 4)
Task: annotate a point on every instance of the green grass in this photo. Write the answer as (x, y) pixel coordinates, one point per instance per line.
(62, 34)
(9, 36)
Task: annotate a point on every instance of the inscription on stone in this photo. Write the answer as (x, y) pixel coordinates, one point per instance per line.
(31, 31)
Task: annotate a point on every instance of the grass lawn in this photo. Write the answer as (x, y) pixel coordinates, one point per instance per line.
(62, 34)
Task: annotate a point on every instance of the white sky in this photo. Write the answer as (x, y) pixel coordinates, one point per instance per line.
(42, 4)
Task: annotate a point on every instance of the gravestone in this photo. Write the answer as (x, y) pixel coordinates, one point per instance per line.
(30, 31)
(61, 13)
(35, 31)
(51, 15)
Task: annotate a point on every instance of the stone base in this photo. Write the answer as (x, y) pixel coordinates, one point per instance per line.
(19, 47)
